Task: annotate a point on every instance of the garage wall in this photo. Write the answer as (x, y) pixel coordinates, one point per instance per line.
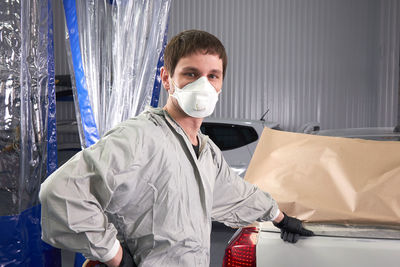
(388, 89)
(331, 61)
(60, 52)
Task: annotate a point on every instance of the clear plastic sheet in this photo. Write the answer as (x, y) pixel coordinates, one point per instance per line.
(26, 89)
(24, 103)
(10, 99)
(120, 43)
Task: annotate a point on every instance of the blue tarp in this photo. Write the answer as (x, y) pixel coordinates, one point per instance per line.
(87, 118)
(157, 81)
(21, 244)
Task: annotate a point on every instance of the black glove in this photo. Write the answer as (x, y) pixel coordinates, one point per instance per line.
(127, 259)
(292, 229)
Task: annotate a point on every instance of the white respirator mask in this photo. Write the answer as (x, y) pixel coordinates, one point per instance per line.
(197, 99)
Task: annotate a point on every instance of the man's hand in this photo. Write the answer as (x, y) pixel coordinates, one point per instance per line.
(122, 259)
(291, 229)
(127, 259)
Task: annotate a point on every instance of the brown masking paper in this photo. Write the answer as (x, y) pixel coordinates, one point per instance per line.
(329, 179)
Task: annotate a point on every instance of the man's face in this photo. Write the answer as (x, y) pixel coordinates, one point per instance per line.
(191, 68)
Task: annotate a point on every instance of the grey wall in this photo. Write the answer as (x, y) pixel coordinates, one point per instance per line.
(331, 61)
(59, 28)
(388, 89)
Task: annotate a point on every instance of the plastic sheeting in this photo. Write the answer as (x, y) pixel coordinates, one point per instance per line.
(157, 82)
(115, 53)
(23, 246)
(27, 103)
(52, 160)
(114, 50)
(10, 112)
(24, 103)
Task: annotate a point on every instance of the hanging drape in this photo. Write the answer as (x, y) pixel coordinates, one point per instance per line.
(27, 129)
(114, 50)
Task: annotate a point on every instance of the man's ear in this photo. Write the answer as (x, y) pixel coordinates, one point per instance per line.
(164, 78)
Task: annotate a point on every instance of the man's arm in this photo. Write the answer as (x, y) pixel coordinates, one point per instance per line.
(236, 202)
(279, 218)
(75, 198)
(239, 203)
(115, 262)
(122, 259)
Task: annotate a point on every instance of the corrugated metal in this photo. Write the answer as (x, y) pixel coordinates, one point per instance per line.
(67, 129)
(304, 60)
(60, 52)
(388, 80)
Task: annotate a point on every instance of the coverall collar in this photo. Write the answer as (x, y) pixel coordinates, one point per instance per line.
(202, 138)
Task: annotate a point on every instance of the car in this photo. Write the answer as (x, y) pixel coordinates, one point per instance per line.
(334, 244)
(236, 138)
(372, 133)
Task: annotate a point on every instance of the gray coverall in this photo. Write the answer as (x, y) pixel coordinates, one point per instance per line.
(142, 184)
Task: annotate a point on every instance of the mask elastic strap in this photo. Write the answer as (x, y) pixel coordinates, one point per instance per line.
(175, 87)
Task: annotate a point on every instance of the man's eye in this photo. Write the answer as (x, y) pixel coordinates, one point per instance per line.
(190, 74)
(212, 76)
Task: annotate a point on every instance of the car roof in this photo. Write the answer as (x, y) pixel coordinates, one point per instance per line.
(244, 122)
(375, 133)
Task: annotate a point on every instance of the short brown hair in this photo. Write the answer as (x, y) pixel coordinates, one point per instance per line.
(189, 42)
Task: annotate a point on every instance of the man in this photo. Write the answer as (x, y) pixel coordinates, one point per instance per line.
(150, 187)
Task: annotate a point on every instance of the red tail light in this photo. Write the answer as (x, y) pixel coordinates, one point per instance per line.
(241, 250)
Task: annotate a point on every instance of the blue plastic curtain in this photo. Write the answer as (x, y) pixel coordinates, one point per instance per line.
(115, 47)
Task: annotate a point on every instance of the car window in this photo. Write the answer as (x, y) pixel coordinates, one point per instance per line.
(229, 136)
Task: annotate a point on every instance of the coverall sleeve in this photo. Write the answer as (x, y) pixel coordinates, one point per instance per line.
(75, 198)
(237, 202)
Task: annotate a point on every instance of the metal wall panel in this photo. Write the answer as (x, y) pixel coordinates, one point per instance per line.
(388, 80)
(331, 61)
(60, 52)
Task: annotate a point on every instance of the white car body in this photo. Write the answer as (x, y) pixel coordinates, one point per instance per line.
(332, 245)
